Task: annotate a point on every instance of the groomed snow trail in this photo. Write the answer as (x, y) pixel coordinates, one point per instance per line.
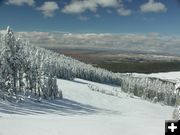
(85, 112)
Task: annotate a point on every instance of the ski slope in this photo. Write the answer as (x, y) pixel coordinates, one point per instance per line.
(84, 112)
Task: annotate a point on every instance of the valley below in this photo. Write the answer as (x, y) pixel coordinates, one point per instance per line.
(123, 61)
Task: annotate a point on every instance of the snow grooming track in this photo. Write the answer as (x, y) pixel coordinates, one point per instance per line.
(86, 112)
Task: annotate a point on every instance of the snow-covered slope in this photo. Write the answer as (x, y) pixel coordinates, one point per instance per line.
(84, 112)
(165, 75)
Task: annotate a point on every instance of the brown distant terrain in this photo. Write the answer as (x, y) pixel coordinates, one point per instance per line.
(119, 61)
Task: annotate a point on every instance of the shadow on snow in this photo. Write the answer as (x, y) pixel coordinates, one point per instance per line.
(60, 107)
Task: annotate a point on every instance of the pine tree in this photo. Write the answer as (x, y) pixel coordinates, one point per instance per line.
(24, 71)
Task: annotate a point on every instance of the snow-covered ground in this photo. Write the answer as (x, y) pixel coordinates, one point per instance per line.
(84, 112)
(165, 75)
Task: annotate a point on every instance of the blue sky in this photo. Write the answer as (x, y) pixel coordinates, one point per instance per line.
(92, 16)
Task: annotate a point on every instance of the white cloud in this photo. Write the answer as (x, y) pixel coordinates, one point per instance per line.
(108, 3)
(21, 2)
(152, 6)
(124, 12)
(48, 8)
(77, 6)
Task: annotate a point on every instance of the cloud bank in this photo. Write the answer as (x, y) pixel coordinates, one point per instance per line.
(148, 43)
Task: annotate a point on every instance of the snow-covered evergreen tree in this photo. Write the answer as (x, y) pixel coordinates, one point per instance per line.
(23, 70)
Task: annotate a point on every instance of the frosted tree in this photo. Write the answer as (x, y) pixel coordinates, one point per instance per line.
(23, 69)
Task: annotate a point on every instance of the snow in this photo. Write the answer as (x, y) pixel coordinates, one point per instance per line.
(162, 75)
(84, 112)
